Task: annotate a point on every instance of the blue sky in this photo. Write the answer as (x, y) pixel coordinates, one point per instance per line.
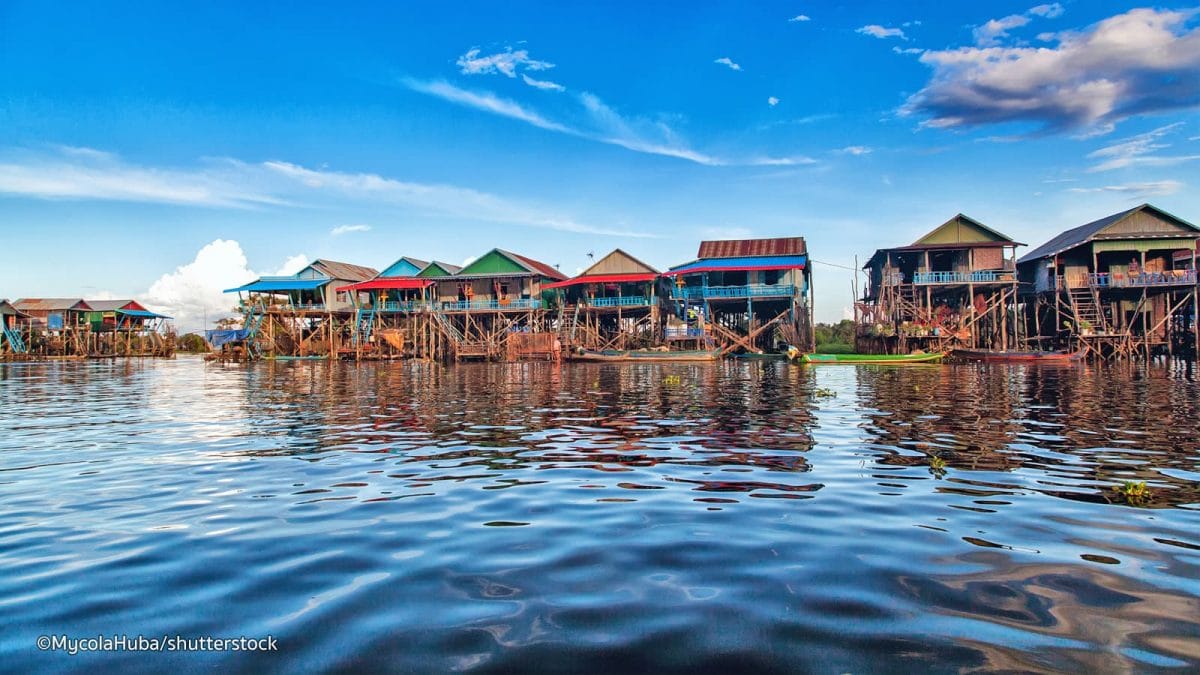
(166, 151)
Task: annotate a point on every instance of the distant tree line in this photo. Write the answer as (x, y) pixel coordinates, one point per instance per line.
(836, 338)
(192, 343)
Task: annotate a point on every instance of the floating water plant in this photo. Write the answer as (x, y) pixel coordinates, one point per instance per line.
(937, 466)
(1133, 492)
(822, 392)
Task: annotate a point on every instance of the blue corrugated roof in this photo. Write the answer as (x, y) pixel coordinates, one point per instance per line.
(141, 313)
(290, 284)
(745, 262)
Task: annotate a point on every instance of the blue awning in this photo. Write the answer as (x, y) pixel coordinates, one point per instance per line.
(746, 263)
(142, 314)
(280, 285)
(220, 338)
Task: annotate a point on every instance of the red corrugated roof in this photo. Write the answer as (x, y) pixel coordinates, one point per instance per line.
(389, 283)
(603, 279)
(541, 267)
(739, 248)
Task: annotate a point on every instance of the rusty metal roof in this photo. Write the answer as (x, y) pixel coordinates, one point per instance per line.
(741, 248)
(536, 266)
(50, 304)
(113, 305)
(344, 271)
(7, 309)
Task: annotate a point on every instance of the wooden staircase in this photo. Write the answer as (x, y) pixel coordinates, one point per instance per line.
(1086, 307)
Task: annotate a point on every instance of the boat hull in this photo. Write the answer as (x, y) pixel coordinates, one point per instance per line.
(991, 356)
(869, 359)
(638, 357)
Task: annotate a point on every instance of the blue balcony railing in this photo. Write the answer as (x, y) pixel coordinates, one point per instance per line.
(403, 306)
(627, 301)
(747, 291)
(976, 277)
(498, 305)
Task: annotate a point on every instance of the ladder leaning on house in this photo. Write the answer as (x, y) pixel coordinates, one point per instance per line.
(364, 324)
(253, 323)
(15, 342)
(1086, 308)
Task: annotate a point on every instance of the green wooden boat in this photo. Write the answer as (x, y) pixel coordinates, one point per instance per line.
(884, 359)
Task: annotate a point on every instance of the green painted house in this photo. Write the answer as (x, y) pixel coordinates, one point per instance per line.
(497, 280)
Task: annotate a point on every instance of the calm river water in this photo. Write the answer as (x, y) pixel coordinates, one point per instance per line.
(539, 517)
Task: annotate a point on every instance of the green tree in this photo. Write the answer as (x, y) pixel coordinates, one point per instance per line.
(192, 343)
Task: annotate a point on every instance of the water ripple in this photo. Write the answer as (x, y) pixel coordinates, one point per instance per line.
(501, 517)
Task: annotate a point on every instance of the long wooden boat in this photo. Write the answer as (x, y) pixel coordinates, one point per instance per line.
(998, 356)
(884, 359)
(632, 355)
(759, 356)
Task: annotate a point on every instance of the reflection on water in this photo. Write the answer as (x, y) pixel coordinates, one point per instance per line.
(729, 516)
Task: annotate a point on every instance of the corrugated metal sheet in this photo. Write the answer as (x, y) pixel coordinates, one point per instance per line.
(737, 248)
(749, 263)
(619, 262)
(1084, 233)
(496, 261)
(113, 305)
(388, 283)
(952, 232)
(7, 309)
(539, 267)
(142, 314)
(269, 285)
(50, 304)
(404, 267)
(439, 269)
(345, 271)
(603, 279)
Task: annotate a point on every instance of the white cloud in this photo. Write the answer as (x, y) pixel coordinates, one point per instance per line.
(597, 122)
(195, 289)
(1138, 151)
(799, 18)
(278, 182)
(439, 199)
(772, 101)
(1140, 62)
(1138, 190)
(546, 85)
(875, 30)
(505, 63)
(485, 101)
(726, 61)
(991, 32)
(908, 50)
(1051, 11)
(292, 265)
(347, 229)
(856, 150)
(83, 173)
